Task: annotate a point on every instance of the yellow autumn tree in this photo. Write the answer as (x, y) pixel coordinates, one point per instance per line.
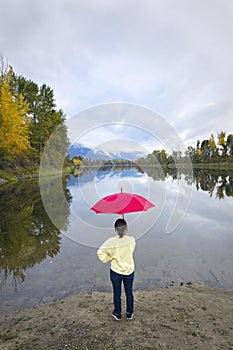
(212, 143)
(77, 162)
(221, 138)
(222, 143)
(14, 123)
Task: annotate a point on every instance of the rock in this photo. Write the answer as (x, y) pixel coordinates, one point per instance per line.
(3, 181)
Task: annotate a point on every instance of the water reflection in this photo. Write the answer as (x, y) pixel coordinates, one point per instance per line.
(88, 228)
(215, 182)
(200, 248)
(27, 235)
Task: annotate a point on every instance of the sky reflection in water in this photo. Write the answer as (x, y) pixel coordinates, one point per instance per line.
(199, 248)
(89, 228)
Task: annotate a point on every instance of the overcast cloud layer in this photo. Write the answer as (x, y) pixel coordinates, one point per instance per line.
(175, 57)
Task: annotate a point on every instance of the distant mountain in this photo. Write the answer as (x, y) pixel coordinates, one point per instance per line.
(80, 150)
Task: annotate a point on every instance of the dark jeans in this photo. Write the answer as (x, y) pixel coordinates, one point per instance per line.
(116, 280)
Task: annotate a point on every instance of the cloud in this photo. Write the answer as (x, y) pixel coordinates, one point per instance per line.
(173, 59)
(216, 117)
(120, 137)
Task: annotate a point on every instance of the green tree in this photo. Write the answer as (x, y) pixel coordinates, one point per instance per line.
(229, 145)
(205, 150)
(163, 157)
(42, 111)
(191, 152)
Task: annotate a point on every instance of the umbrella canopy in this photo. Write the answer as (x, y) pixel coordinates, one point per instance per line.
(122, 203)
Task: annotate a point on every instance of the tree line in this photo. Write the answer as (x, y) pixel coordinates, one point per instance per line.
(208, 151)
(28, 116)
(213, 150)
(219, 150)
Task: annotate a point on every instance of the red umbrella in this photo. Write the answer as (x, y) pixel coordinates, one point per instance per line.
(122, 203)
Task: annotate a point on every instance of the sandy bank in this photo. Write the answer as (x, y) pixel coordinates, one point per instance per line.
(193, 316)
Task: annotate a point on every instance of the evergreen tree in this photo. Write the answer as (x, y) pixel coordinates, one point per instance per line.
(28, 117)
(42, 111)
(229, 144)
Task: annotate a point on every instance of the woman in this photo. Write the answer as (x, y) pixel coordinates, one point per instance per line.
(119, 250)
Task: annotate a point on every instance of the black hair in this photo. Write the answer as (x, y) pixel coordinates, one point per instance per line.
(120, 226)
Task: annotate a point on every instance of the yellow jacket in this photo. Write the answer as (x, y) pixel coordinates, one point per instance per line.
(120, 252)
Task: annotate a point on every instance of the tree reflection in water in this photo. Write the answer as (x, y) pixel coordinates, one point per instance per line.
(210, 180)
(213, 181)
(27, 235)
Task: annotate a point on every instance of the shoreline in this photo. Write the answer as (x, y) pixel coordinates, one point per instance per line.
(192, 316)
(11, 306)
(14, 177)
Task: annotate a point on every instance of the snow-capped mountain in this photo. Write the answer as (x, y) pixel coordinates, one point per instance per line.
(80, 150)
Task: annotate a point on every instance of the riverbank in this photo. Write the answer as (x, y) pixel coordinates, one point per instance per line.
(19, 174)
(192, 316)
(15, 177)
(11, 176)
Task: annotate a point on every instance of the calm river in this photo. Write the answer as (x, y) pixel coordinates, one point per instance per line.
(40, 263)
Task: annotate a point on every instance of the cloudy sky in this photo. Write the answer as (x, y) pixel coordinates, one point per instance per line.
(173, 57)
